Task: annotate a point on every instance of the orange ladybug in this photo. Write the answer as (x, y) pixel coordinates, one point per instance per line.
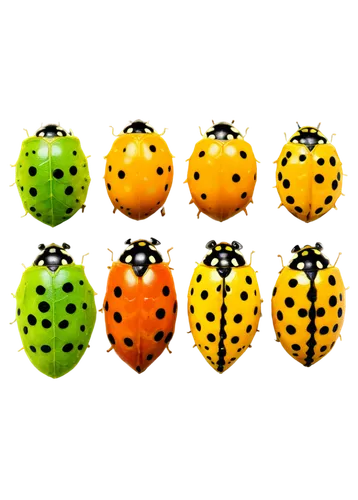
(222, 172)
(139, 171)
(140, 305)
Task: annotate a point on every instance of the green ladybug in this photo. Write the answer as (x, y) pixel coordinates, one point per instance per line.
(52, 175)
(55, 311)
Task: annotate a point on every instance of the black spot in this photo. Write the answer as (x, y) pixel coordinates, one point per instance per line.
(111, 339)
(320, 161)
(40, 290)
(243, 154)
(33, 191)
(334, 185)
(160, 313)
(45, 348)
(67, 347)
(69, 190)
(321, 312)
(203, 196)
(44, 307)
(288, 154)
(201, 154)
(244, 296)
(32, 171)
(333, 301)
(67, 288)
(319, 210)
(339, 176)
(274, 291)
(109, 187)
(46, 323)
(284, 162)
(248, 280)
(279, 315)
(137, 369)
(210, 317)
(279, 176)
(18, 312)
(236, 178)
(168, 338)
(192, 310)
(73, 170)
(158, 336)
(63, 324)
(25, 330)
(204, 295)
(121, 174)
(324, 330)
(198, 278)
(31, 319)
(128, 342)
(109, 168)
(332, 280)
(33, 209)
(198, 327)
(293, 283)
(175, 307)
(290, 329)
(332, 161)
(33, 348)
(70, 308)
(160, 171)
(237, 318)
(248, 329)
(74, 153)
(335, 328)
(69, 210)
(82, 328)
(152, 148)
(299, 210)
(340, 312)
(106, 306)
(289, 302)
(196, 176)
(256, 310)
(302, 157)
(166, 291)
(296, 347)
(290, 200)
(302, 313)
(58, 173)
(286, 184)
(328, 200)
(80, 347)
(149, 357)
(235, 340)
(117, 317)
(319, 178)
(211, 337)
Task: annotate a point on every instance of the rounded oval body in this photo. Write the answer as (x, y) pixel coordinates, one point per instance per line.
(52, 175)
(222, 173)
(224, 305)
(139, 171)
(140, 305)
(55, 312)
(309, 175)
(308, 305)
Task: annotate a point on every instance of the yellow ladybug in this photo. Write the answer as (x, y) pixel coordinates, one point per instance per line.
(309, 174)
(222, 172)
(224, 305)
(308, 305)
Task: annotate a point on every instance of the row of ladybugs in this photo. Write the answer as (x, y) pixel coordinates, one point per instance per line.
(56, 310)
(52, 173)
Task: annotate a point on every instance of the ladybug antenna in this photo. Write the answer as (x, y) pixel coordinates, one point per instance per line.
(296, 248)
(41, 246)
(232, 121)
(237, 245)
(319, 246)
(66, 246)
(318, 126)
(210, 244)
(213, 122)
(298, 125)
(155, 242)
(128, 242)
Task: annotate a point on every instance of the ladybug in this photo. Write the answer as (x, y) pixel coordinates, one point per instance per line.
(139, 171)
(140, 305)
(222, 172)
(55, 311)
(309, 174)
(224, 305)
(52, 175)
(308, 305)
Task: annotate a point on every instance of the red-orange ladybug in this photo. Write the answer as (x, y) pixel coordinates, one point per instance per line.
(140, 305)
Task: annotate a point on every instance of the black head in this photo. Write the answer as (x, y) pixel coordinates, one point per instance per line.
(309, 259)
(223, 132)
(138, 127)
(51, 131)
(224, 255)
(309, 137)
(141, 254)
(53, 256)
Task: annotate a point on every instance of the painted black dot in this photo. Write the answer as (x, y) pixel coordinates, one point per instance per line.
(67, 347)
(324, 330)
(279, 177)
(160, 313)
(138, 370)
(73, 170)
(339, 176)
(33, 348)
(290, 200)
(69, 210)
(321, 312)
(45, 348)
(290, 329)
(323, 348)
(118, 292)
(117, 317)
(248, 280)
(210, 317)
(319, 210)
(74, 153)
(67, 287)
(299, 210)
(33, 191)
(33, 209)
(46, 323)
(158, 336)
(333, 301)
(332, 280)
(248, 329)
(152, 148)
(192, 310)
(198, 278)
(106, 306)
(288, 154)
(274, 291)
(169, 168)
(203, 196)
(80, 347)
(235, 340)
(335, 328)
(340, 312)
(302, 157)
(204, 295)
(111, 339)
(201, 154)
(82, 328)
(284, 162)
(165, 291)
(18, 312)
(320, 161)
(149, 357)
(196, 176)
(302, 313)
(244, 296)
(69, 190)
(58, 173)
(63, 324)
(31, 319)
(211, 337)
(256, 310)
(328, 200)
(32, 171)
(121, 174)
(293, 283)
(296, 347)
(70, 308)
(109, 168)
(128, 342)
(332, 161)
(243, 154)
(334, 185)
(175, 307)
(237, 318)
(160, 171)
(198, 327)
(40, 290)
(289, 302)
(236, 178)
(25, 330)
(109, 187)
(319, 178)
(286, 184)
(279, 315)
(168, 338)
(44, 307)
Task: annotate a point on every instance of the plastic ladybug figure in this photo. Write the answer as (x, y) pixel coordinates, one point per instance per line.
(222, 172)
(55, 311)
(139, 171)
(52, 175)
(308, 305)
(224, 305)
(309, 174)
(140, 305)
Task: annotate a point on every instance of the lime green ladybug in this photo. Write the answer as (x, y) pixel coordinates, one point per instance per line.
(55, 311)
(52, 175)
